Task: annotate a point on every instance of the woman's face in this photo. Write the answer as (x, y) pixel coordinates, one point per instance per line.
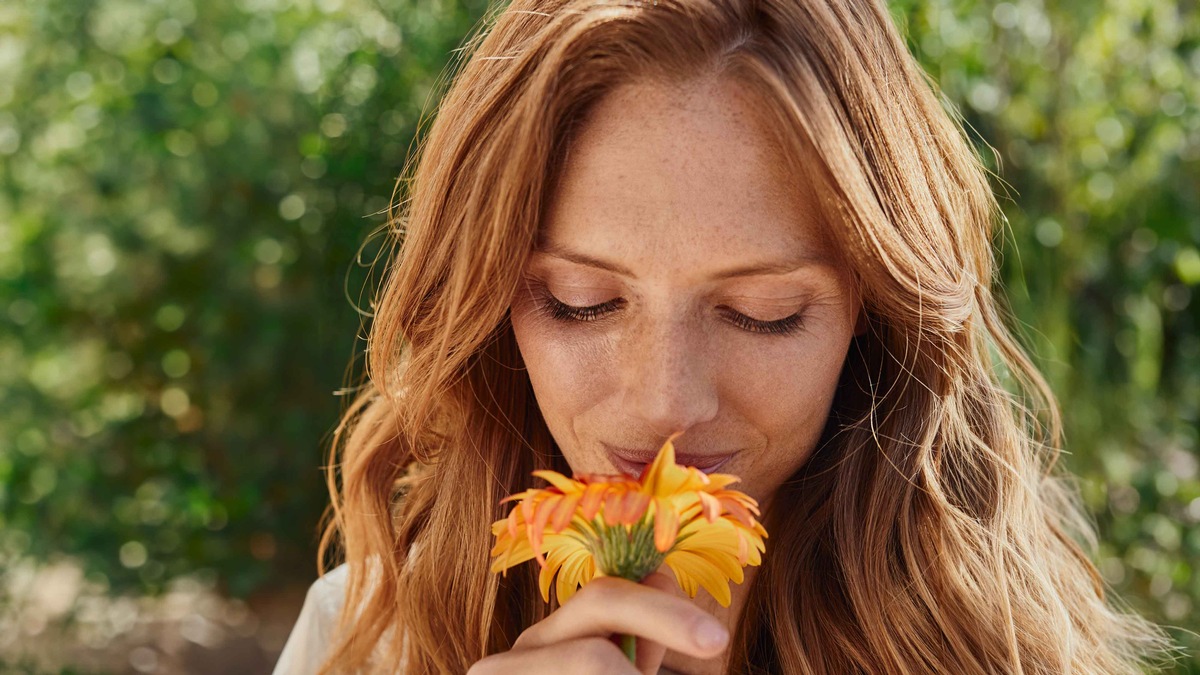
(683, 283)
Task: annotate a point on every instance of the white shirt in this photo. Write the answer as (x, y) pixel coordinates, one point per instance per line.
(312, 635)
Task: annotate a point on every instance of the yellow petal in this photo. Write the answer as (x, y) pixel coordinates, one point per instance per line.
(563, 512)
(686, 581)
(757, 547)
(519, 495)
(718, 534)
(567, 485)
(558, 548)
(593, 497)
(698, 570)
(499, 525)
(624, 507)
(634, 507)
(546, 576)
(544, 579)
(535, 530)
(743, 554)
(666, 525)
(711, 506)
(514, 522)
(727, 565)
(526, 505)
(518, 552)
(726, 536)
(612, 506)
(735, 508)
(664, 477)
(579, 569)
(717, 481)
(720, 546)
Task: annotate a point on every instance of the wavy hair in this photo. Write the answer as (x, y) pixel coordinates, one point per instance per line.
(929, 532)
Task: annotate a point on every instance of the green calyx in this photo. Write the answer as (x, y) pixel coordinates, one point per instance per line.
(626, 551)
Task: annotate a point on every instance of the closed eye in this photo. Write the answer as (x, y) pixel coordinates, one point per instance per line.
(560, 311)
(787, 324)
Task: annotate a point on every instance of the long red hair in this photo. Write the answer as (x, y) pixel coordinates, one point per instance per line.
(930, 532)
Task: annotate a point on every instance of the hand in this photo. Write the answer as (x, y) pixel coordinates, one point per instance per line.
(579, 636)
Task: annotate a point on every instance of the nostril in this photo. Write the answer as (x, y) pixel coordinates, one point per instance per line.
(666, 410)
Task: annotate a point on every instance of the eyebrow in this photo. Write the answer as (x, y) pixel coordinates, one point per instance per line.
(755, 269)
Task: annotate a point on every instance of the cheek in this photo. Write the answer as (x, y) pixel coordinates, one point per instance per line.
(569, 373)
(785, 388)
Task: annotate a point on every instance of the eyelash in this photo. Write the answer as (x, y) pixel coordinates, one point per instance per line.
(560, 311)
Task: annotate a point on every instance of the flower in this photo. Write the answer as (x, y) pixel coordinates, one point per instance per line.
(618, 525)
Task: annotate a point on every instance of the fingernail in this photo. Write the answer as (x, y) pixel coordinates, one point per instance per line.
(710, 635)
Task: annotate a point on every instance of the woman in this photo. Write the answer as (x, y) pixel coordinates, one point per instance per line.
(752, 222)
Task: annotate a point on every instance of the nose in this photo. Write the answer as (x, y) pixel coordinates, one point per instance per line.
(667, 376)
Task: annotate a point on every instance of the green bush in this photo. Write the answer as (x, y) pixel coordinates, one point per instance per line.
(1094, 112)
(185, 188)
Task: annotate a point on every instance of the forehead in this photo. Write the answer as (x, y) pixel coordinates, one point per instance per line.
(669, 172)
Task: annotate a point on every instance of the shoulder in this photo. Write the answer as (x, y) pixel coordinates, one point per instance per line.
(311, 636)
(328, 591)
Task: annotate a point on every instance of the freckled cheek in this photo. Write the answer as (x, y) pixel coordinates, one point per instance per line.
(570, 373)
(785, 387)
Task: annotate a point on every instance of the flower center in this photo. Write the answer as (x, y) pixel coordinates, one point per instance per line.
(626, 551)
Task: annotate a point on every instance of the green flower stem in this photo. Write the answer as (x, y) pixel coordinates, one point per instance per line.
(629, 646)
(627, 552)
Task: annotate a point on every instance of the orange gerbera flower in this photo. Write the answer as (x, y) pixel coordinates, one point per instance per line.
(618, 525)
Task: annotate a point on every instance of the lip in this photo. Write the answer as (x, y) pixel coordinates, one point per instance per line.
(633, 461)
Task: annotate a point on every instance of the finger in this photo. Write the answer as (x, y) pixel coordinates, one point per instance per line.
(669, 575)
(650, 654)
(588, 656)
(609, 605)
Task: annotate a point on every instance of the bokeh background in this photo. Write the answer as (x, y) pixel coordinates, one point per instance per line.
(190, 199)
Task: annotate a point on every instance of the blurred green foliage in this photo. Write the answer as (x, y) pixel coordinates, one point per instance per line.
(186, 189)
(1093, 109)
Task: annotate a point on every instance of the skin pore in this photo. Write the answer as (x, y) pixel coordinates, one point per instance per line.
(682, 282)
